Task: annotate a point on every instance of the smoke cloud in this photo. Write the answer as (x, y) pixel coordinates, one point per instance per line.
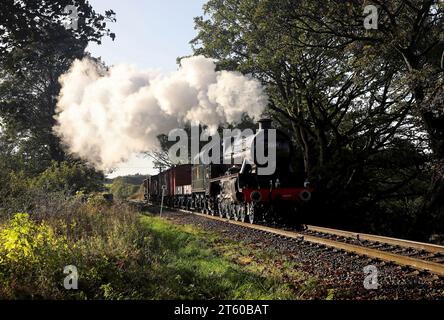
(105, 116)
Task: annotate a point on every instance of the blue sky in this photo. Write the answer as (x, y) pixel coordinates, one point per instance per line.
(151, 35)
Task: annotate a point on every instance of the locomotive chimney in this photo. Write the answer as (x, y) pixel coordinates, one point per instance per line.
(264, 124)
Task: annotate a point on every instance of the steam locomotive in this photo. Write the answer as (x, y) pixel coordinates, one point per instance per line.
(237, 191)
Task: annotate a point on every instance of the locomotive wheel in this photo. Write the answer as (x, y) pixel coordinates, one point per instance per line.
(251, 213)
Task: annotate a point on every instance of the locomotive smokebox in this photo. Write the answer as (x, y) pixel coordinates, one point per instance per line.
(264, 124)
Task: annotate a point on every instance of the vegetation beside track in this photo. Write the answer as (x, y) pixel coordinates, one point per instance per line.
(209, 267)
(121, 254)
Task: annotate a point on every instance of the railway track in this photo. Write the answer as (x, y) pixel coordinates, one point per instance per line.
(416, 255)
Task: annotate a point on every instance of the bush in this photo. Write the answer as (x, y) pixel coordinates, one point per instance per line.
(21, 239)
(13, 185)
(28, 251)
(21, 193)
(106, 244)
(123, 190)
(69, 178)
(119, 255)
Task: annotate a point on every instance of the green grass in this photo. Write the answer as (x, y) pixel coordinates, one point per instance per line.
(121, 254)
(195, 264)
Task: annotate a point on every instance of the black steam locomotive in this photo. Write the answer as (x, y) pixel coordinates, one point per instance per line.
(237, 191)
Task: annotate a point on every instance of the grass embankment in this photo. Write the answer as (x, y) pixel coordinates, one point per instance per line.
(205, 267)
(120, 254)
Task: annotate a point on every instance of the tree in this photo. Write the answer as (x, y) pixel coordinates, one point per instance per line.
(344, 113)
(409, 38)
(69, 178)
(35, 49)
(37, 21)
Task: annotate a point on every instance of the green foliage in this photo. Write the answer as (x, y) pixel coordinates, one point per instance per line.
(122, 255)
(21, 239)
(43, 22)
(36, 49)
(132, 179)
(189, 268)
(101, 241)
(356, 103)
(121, 189)
(98, 200)
(68, 178)
(14, 184)
(21, 193)
(27, 251)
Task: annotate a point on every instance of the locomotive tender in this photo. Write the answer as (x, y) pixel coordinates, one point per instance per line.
(237, 191)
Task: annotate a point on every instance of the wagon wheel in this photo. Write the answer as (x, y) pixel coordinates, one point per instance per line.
(242, 214)
(227, 211)
(211, 208)
(206, 208)
(220, 208)
(235, 210)
(203, 205)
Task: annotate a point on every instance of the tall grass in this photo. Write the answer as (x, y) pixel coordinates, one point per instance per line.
(105, 242)
(119, 254)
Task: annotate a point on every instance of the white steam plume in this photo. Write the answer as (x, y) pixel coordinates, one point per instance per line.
(105, 116)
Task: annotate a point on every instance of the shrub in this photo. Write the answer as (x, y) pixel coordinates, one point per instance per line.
(69, 178)
(22, 238)
(119, 255)
(106, 243)
(123, 190)
(30, 255)
(21, 193)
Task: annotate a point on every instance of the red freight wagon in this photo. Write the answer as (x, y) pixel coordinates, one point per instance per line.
(180, 176)
(164, 178)
(177, 181)
(151, 186)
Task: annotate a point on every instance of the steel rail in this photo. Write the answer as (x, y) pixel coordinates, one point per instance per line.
(402, 260)
(429, 247)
